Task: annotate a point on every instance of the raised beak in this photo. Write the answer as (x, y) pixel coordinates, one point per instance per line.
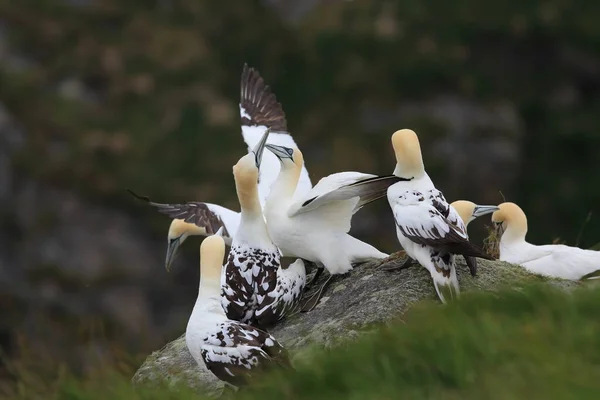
(260, 147)
(281, 152)
(172, 248)
(484, 210)
(219, 232)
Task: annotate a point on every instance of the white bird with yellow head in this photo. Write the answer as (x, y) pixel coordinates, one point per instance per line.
(554, 260)
(428, 228)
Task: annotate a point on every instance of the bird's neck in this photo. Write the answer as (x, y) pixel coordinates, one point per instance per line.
(413, 172)
(248, 197)
(209, 294)
(515, 232)
(285, 185)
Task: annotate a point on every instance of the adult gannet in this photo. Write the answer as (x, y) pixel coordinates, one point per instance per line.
(430, 231)
(314, 226)
(555, 260)
(259, 111)
(468, 211)
(254, 283)
(231, 350)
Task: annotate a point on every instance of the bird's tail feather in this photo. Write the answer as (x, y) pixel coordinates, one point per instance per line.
(446, 288)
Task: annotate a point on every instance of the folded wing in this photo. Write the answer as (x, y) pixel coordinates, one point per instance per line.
(428, 225)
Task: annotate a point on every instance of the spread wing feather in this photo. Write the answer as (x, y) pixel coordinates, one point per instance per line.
(344, 186)
(260, 110)
(198, 213)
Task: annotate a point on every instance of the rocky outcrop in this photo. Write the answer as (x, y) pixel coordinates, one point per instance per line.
(368, 294)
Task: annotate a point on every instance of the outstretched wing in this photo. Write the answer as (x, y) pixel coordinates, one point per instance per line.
(428, 225)
(344, 186)
(260, 110)
(258, 106)
(205, 215)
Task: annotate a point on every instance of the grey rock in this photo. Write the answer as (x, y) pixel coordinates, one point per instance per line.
(370, 295)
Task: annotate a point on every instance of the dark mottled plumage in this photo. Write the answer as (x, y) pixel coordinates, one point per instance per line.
(250, 273)
(193, 212)
(258, 104)
(234, 352)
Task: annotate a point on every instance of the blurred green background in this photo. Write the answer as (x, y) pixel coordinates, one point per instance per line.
(101, 95)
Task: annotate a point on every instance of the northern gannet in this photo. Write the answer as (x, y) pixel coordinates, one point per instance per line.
(259, 111)
(468, 210)
(555, 260)
(314, 226)
(430, 231)
(255, 288)
(194, 219)
(231, 350)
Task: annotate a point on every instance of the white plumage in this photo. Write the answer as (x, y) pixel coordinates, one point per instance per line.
(428, 228)
(314, 226)
(270, 165)
(554, 260)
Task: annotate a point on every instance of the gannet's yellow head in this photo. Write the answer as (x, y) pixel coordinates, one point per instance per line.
(289, 157)
(178, 232)
(409, 161)
(212, 252)
(511, 221)
(246, 172)
(468, 210)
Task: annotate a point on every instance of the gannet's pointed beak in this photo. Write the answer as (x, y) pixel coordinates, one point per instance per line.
(220, 232)
(172, 248)
(484, 210)
(281, 152)
(260, 148)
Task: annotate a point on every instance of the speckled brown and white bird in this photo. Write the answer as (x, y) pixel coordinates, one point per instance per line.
(255, 288)
(231, 350)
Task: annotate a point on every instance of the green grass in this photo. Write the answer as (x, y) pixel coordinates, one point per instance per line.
(539, 342)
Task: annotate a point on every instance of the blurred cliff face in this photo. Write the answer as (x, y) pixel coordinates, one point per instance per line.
(96, 97)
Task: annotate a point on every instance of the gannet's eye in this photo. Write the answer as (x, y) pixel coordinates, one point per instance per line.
(290, 152)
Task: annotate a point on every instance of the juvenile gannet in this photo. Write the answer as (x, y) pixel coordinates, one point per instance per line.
(254, 282)
(430, 231)
(314, 226)
(231, 350)
(555, 260)
(259, 111)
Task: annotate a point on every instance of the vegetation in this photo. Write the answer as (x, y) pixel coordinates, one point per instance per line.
(540, 342)
(144, 95)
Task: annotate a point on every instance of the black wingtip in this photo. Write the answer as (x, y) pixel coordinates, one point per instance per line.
(259, 102)
(137, 196)
(472, 264)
